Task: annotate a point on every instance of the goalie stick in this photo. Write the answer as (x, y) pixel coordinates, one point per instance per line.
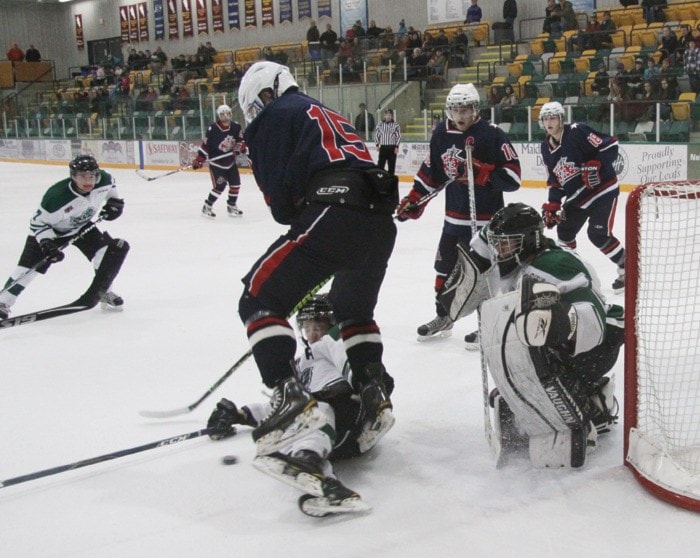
(188, 167)
(227, 374)
(106, 457)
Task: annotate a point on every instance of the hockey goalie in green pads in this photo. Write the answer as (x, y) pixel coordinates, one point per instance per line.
(547, 336)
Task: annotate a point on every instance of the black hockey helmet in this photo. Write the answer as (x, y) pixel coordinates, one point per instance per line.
(83, 163)
(318, 308)
(516, 231)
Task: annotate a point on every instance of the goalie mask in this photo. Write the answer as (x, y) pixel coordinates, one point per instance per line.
(262, 76)
(462, 105)
(516, 232)
(315, 318)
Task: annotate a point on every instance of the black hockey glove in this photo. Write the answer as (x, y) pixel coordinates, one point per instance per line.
(224, 417)
(51, 250)
(112, 209)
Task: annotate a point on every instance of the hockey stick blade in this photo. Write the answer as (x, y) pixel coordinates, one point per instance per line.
(106, 457)
(24, 319)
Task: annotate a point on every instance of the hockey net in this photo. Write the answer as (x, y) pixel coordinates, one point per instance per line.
(662, 340)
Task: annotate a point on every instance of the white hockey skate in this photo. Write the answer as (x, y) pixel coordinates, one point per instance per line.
(303, 471)
(112, 301)
(440, 326)
(233, 211)
(207, 211)
(336, 499)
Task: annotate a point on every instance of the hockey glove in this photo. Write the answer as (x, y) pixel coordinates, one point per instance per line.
(112, 209)
(411, 207)
(543, 318)
(241, 148)
(51, 250)
(224, 417)
(590, 174)
(198, 162)
(482, 172)
(551, 214)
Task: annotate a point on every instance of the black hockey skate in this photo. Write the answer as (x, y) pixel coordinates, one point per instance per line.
(303, 470)
(440, 326)
(112, 301)
(376, 417)
(472, 341)
(207, 211)
(618, 285)
(294, 413)
(336, 498)
(233, 210)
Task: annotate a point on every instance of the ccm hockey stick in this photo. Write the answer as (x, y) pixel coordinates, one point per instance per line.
(45, 260)
(188, 167)
(228, 373)
(105, 457)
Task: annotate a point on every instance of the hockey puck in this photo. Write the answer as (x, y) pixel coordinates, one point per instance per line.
(229, 460)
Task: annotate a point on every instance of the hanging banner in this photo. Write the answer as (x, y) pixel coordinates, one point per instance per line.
(217, 16)
(187, 28)
(124, 23)
(249, 9)
(268, 18)
(304, 9)
(133, 25)
(79, 39)
(234, 21)
(285, 11)
(202, 18)
(158, 21)
(143, 21)
(171, 16)
(350, 12)
(324, 8)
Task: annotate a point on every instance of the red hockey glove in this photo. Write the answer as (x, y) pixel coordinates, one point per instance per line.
(198, 162)
(241, 148)
(409, 207)
(551, 213)
(482, 172)
(590, 174)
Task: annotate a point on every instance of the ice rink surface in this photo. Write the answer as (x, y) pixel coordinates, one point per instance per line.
(72, 388)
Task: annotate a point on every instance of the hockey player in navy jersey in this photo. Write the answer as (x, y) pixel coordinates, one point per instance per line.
(581, 185)
(66, 210)
(223, 141)
(496, 170)
(317, 176)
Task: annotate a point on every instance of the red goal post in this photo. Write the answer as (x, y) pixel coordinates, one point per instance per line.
(662, 340)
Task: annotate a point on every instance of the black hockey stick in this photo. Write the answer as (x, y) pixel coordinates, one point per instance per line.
(105, 457)
(80, 305)
(227, 374)
(188, 167)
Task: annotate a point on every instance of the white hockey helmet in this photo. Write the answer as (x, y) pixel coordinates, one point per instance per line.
(553, 108)
(261, 76)
(462, 95)
(224, 109)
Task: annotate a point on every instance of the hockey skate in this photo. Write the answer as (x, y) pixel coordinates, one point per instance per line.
(336, 498)
(376, 415)
(619, 283)
(303, 470)
(112, 301)
(4, 311)
(233, 211)
(604, 404)
(207, 211)
(440, 326)
(294, 413)
(472, 341)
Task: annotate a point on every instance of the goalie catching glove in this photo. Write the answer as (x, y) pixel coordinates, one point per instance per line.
(590, 174)
(543, 318)
(411, 206)
(551, 214)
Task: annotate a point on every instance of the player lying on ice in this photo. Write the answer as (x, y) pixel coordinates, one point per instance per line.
(547, 336)
(324, 371)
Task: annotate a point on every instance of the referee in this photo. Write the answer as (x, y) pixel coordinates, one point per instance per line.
(387, 137)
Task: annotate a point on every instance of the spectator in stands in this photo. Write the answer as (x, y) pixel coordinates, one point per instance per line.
(587, 38)
(230, 77)
(683, 40)
(387, 39)
(197, 67)
(669, 43)
(504, 108)
(473, 13)
(668, 92)
(652, 71)
(32, 54)
(15, 54)
(510, 12)
(418, 64)
(401, 32)
(691, 65)
(460, 49)
(329, 44)
(428, 42)
(352, 70)
(568, 17)
(182, 99)
(607, 28)
(601, 80)
(552, 18)
(495, 96)
(436, 67)
(373, 33)
(207, 52)
(645, 108)
(364, 121)
(356, 31)
(619, 97)
(158, 60)
(635, 78)
(442, 40)
(666, 70)
(313, 37)
(344, 51)
(653, 10)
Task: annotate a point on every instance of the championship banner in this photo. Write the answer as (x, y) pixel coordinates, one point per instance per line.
(133, 25)
(234, 21)
(171, 15)
(202, 18)
(285, 11)
(249, 12)
(124, 23)
(187, 28)
(324, 8)
(304, 9)
(79, 39)
(158, 20)
(217, 16)
(268, 18)
(143, 21)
